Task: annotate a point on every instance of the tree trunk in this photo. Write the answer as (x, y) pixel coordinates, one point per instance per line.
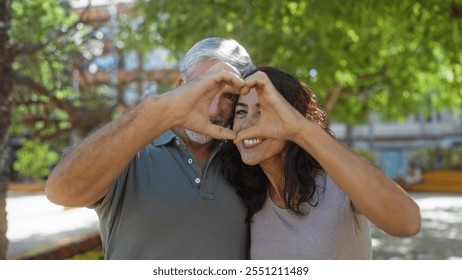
(6, 102)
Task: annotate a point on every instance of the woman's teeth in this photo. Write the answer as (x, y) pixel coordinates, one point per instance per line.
(249, 142)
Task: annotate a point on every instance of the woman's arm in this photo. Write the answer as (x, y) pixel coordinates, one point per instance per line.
(372, 192)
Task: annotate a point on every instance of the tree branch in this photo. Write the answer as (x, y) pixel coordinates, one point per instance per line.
(372, 75)
(363, 93)
(332, 98)
(31, 84)
(31, 49)
(40, 89)
(46, 137)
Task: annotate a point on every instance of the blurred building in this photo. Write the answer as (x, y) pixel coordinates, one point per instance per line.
(129, 74)
(394, 144)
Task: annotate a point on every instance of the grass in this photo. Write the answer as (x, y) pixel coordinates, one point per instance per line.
(95, 254)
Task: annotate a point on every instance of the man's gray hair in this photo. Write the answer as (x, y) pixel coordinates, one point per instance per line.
(220, 50)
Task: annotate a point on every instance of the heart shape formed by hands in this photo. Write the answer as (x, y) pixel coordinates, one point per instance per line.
(278, 119)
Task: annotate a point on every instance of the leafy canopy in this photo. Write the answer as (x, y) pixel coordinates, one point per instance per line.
(393, 57)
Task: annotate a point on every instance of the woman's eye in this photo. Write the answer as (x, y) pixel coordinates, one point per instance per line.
(240, 113)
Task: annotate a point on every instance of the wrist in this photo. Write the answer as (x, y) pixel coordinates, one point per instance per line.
(159, 109)
(305, 131)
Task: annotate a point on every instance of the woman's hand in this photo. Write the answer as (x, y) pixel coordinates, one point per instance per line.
(278, 120)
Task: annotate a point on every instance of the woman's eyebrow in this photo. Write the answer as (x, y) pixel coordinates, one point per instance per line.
(246, 105)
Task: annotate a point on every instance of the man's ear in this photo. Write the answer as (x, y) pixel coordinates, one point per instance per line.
(180, 80)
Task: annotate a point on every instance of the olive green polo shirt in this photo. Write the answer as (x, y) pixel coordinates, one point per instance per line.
(163, 207)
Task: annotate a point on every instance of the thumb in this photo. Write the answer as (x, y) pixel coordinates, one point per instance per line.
(220, 132)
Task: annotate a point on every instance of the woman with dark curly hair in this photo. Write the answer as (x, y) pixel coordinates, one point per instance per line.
(308, 196)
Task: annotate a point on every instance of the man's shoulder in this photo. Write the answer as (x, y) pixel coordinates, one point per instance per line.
(163, 139)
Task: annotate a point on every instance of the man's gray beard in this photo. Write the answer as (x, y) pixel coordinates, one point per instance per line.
(198, 138)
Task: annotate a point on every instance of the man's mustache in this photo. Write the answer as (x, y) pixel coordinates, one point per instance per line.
(217, 121)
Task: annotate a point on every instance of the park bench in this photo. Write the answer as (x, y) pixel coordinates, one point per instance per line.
(445, 181)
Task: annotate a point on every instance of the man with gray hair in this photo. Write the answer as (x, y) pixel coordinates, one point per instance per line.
(153, 176)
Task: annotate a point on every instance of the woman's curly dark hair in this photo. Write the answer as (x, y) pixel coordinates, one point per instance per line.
(300, 167)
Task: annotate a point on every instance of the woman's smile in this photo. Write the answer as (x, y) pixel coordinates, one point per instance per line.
(252, 143)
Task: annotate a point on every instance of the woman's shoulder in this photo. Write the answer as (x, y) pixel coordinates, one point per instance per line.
(324, 180)
(325, 184)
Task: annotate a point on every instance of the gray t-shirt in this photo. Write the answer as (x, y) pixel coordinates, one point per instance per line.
(331, 230)
(163, 207)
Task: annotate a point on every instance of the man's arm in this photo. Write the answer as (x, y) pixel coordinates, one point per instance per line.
(84, 175)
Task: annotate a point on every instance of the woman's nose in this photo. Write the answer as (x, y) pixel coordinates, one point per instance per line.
(250, 120)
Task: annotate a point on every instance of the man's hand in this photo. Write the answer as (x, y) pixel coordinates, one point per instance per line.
(191, 101)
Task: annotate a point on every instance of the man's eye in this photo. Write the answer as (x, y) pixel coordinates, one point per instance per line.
(231, 98)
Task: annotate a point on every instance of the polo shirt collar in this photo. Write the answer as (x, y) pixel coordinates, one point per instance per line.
(164, 138)
(169, 136)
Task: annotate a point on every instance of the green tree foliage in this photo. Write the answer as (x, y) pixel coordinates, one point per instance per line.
(42, 68)
(35, 160)
(42, 34)
(392, 57)
(95, 254)
(51, 46)
(50, 42)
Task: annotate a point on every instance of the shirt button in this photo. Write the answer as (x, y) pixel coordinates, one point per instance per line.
(198, 180)
(177, 142)
(190, 161)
